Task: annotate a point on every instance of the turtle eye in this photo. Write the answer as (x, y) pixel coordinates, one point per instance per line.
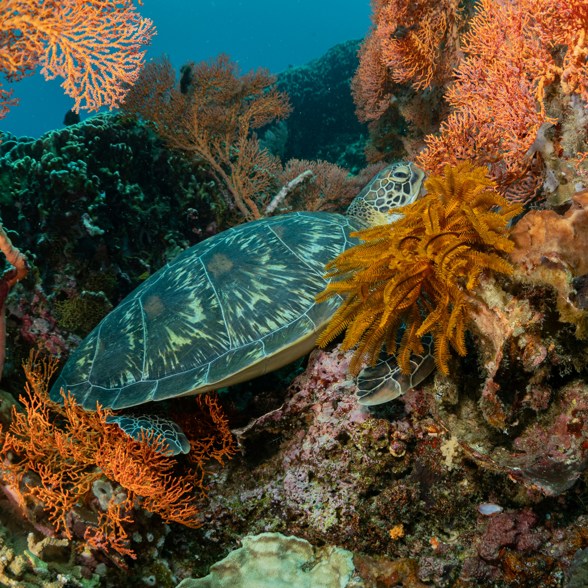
(401, 174)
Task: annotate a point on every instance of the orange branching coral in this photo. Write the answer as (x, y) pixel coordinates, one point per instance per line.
(94, 45)
(514, 51)
(211, 114)
(420, 272)
(411, 42)
(54, 454)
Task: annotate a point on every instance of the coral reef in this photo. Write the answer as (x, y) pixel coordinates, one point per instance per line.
(478, 476)
(55, 456)
(520, 77)
(94, 46)
(17, 270)
(483, 126)
(550, 251)
(404, 64)
(46, 563)
(99, 205)
(211, 114)
(327, 470)
(419, 274)
(415, 43)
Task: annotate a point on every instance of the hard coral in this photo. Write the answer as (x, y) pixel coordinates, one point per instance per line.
(94, 45)
(92, 200)
(54, 454)
(421, 271)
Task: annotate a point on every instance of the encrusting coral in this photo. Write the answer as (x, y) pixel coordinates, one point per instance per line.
(53, 455)
(420, 272)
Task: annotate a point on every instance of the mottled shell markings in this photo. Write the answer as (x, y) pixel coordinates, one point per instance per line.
(227, 306)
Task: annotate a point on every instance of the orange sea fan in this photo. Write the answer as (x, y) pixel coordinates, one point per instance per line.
(564, 23)
(61, 450)
(370, 85)
(94, 45)
(513, 52)
(419, 40)
(414, 43)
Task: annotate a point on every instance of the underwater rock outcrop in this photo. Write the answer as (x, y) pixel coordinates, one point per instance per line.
(323, 124)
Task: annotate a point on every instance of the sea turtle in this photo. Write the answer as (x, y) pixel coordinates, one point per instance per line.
(230, 308)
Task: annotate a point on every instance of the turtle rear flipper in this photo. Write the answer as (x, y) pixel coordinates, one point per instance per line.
(385, 381)
(146, 427)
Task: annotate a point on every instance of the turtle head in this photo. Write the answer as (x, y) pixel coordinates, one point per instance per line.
(396, 185)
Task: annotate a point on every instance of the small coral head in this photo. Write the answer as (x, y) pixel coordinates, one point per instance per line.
(419, 275)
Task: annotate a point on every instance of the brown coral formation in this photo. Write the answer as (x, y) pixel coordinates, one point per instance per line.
(211, 114)
(551, 249)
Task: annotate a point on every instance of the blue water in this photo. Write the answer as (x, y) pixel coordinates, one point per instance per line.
(255, 33)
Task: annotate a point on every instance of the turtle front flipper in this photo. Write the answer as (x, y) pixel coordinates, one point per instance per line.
(385, 381)
(145, 427)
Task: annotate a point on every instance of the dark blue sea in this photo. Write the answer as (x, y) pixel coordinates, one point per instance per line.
(258, 33)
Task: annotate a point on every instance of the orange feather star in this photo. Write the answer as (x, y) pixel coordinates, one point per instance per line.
(420, 272)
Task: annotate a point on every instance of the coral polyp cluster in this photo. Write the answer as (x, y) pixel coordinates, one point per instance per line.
(420, 273)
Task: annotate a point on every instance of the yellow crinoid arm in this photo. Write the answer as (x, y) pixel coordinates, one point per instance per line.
(421, 272)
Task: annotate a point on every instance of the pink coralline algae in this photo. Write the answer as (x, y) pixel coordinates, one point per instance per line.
(308, 464)
(334, 424)
(513, 529)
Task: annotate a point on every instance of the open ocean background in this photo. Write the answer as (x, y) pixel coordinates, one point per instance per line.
(258, 33)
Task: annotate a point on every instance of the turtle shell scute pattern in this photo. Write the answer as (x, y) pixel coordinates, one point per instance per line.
(211, 312)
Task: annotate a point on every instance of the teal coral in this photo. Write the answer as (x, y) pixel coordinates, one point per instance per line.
(81, 313)
(91, 201)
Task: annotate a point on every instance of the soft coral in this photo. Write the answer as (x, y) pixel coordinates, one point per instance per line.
(93, 44)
